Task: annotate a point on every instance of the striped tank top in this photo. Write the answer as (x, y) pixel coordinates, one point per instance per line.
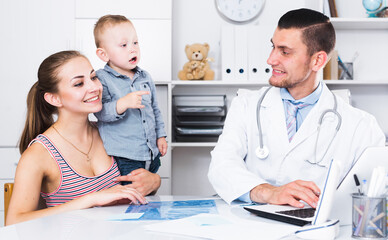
(73, 184)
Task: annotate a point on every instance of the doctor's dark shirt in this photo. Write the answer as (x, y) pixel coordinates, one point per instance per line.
(132, 134)
(302, 113)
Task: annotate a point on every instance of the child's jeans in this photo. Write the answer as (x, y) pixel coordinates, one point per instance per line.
(127, 165)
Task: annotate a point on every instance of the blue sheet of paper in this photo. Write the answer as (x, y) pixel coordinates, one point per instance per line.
(170, 210)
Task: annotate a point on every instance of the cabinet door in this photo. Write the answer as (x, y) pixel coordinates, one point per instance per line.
(9, 158)
(31, 30)
(133, 9)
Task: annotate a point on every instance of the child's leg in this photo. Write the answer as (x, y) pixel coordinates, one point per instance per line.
(155, 164)
(126, 166)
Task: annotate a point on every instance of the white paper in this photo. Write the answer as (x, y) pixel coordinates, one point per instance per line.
(216, 226)
(124, 216)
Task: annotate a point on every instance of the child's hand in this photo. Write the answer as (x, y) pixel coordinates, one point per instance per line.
(131, 100)
(144, 181)
(162, 145)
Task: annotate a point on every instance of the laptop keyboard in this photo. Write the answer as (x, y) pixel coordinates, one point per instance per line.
(300, 213)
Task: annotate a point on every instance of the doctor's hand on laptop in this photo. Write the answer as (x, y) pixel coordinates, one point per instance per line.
(292, 194)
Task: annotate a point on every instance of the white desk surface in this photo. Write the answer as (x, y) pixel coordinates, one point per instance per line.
(92, 224)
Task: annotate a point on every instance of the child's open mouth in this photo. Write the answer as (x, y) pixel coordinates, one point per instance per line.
(133, 60)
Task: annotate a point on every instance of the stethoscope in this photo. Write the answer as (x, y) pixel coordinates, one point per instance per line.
(262, 151)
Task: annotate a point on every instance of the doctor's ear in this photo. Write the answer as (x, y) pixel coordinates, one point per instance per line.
(53, 99)
(319, 60)
(101, 53)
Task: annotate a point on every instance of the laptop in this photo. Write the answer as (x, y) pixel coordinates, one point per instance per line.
(335, 201)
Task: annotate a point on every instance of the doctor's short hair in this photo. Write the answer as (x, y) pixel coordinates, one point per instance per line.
(317, 31)
(105, 22)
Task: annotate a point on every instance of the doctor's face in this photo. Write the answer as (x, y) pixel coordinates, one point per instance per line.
(289, 59)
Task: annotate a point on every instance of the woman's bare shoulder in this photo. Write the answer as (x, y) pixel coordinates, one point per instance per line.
(36, 154)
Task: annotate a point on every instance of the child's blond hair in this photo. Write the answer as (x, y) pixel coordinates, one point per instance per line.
(105, 22)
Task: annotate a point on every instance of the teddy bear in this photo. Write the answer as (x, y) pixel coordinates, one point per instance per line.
(197, 68)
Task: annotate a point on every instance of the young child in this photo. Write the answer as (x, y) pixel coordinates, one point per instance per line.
(130, 122)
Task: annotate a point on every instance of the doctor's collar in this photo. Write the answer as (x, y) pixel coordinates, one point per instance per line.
(309, 99)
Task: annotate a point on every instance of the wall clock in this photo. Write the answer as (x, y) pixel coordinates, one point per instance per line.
(239, 11)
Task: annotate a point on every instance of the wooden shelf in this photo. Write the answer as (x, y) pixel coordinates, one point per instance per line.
(360, 23)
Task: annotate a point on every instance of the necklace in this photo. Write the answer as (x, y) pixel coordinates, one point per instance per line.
(86, 154)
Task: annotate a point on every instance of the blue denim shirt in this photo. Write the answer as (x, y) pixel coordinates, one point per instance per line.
(132, 134)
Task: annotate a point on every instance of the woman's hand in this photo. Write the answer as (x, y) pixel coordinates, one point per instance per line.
(143, 181)
(117, 195)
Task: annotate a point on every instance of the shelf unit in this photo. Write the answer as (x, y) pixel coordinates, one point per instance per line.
(252, 85)
(360, 23)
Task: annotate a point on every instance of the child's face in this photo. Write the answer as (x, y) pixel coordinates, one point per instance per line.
(79, 90)
(122, 48)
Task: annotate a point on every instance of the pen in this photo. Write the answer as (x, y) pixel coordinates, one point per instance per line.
(357, 184)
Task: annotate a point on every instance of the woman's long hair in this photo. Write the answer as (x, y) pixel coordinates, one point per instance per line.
(39, 112)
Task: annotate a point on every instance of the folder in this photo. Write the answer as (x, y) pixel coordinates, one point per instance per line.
(241, 53)
(264, 50)
(330, 72)
(254, 55)
(227, 53)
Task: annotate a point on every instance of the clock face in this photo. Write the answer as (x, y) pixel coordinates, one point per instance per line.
(240, 11)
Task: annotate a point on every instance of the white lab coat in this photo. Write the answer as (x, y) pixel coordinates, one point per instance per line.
(234, 169)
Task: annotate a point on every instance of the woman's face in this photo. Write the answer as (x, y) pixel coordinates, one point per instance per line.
(79, 89)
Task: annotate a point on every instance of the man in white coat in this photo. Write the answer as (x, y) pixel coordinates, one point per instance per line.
(299, 151)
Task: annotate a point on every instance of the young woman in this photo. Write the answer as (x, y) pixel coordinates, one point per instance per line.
(64, 163)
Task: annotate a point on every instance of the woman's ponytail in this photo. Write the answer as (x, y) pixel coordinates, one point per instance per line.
(39, 112)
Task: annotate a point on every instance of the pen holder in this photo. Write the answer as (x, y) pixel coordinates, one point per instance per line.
(369, 217)
(346, 71)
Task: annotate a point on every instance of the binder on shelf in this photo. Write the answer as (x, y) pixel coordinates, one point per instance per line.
(326, 8)
(254, 55)
(241, 52)
(333, 8)
(266, 32)
(227, 53)
(330, 72)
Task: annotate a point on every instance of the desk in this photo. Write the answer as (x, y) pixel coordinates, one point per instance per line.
(92, 224)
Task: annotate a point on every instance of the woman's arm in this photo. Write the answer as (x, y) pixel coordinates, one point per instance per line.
(33, 169)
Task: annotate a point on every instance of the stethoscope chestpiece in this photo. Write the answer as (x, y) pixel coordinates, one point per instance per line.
(262, 152)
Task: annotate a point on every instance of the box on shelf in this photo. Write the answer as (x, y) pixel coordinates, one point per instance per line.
(198, 118)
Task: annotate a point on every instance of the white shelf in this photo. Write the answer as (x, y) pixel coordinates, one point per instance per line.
(228, 83)
(360, 23)
(356, 82)
(217, 82)
(162, 82)
(193, 144)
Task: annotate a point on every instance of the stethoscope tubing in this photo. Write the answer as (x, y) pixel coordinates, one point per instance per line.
(262, 151)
